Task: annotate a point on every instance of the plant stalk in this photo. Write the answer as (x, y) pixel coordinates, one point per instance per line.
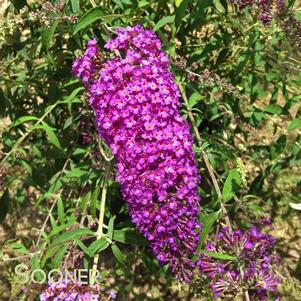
(206, 160)
(101, 218)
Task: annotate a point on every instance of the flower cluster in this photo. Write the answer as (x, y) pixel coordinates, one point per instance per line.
(137, 109)
(68, 291)
(264, 7)
(46, 16)
(206, 78)
(279, 11)
(252, 267)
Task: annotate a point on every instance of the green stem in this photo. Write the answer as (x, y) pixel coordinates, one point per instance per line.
(93, 3)
(101, 218)
(205, 158)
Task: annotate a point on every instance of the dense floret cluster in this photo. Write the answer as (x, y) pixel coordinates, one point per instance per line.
(137, 109)
(67, 290)
(251, 269)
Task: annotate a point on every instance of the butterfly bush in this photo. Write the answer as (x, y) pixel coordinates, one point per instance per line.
(252, 267)
(69, 291)
(137, 109)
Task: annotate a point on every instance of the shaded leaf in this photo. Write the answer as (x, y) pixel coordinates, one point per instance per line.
(98, 246)
(93, 201)
(129, 236)
(164, 21)
(88, 18)
(48, 34)
(60, 210)
(295, 124)
(118, 255)
(273, 109)
(50, 134)
(84, 200)
(24, 119)
(233, 177)
(111, 227)
(207, 223)
(72, 235)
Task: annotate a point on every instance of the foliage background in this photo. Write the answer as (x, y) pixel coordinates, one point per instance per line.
(51, 181)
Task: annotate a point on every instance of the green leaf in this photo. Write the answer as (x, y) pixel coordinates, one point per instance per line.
(59, 229)
(180, 13)
(26, 166)
(75, 173)
(70, 99)
(50, 134)
(83, 247)
(219, 6)
(207, 223)
(295, 124)
(35, 262)
(178, 2)
(164, 21)
(298, 15)
(75, 7)
(222, 256)
(93, 201)
(98, 246)
(48, 34)
(118, 255)
(67, 236)
(88, 18)
(233, 177)
(129, 236)
(49, 254)
(119, 3)
(60, 210)
(143, 3)
(195, 98)
(273, 109)
(84, 200)
(57, 260)
(24, 119)
(111, 227)
(18, 247)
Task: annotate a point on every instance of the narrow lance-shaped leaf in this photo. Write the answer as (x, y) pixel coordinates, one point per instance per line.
(207, 223)
(233, 177)
(164, 21)
(98, 246)
(60, 210)
(118, 255)
(88, 18)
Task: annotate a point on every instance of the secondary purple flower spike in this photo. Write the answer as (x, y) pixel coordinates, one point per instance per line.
(253, 267)
(137, 108)
(67, 290)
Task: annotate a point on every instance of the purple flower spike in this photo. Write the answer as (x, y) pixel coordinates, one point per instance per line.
(69, 290)
(252, 271)
(137, 107)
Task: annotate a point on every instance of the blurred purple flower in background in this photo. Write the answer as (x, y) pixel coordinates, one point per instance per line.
(252, 267)
(67, 290)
